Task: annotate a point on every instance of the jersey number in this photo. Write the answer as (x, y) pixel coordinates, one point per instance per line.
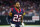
(17, 18)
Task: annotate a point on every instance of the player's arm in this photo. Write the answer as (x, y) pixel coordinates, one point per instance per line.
(10, 12)
(9, 16)
(22, 17)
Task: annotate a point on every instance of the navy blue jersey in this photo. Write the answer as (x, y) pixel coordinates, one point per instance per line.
(16, 15)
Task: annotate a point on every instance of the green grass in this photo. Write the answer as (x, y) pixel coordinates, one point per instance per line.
(24, 25)
(31, 25)
(4, 25)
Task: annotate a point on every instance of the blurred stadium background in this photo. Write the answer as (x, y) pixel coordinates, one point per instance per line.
(31, 7)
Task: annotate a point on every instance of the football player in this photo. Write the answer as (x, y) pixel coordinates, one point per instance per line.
(16, 15)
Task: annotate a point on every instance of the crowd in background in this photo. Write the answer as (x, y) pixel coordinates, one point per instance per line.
(31, 8)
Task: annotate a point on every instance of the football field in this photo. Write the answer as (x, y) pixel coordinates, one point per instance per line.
(23, 26)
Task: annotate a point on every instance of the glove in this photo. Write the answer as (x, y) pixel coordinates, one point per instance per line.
(10, 14)
(22, 24)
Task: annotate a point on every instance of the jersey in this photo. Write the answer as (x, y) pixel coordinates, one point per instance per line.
(16, 15)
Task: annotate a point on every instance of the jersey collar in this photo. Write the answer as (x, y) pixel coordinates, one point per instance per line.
(17, 10)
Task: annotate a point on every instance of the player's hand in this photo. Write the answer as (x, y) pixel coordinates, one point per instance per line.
(10, 14)
(22, 24)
